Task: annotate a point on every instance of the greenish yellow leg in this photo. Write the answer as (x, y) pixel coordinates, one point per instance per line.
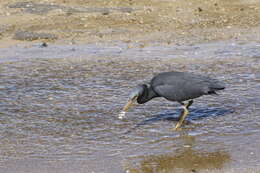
(184, 113)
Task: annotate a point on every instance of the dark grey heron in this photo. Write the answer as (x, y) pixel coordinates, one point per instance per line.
(174, 86)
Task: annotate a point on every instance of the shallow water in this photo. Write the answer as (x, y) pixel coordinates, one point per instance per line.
(59, 109)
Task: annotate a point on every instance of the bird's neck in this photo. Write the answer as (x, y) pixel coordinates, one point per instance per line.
(147, 95)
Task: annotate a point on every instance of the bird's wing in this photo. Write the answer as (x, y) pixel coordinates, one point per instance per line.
(179, 92)
(167, 91)
(180, 87)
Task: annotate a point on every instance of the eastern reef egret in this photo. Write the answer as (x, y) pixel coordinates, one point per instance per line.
(174, 86)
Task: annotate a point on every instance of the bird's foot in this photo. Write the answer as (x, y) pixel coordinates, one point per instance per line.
(177, 127)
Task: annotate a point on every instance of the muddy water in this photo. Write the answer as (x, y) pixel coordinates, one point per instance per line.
(59, 108)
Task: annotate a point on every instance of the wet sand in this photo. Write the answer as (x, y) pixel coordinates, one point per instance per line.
(60, 100)
(131, 21)
(61, 113)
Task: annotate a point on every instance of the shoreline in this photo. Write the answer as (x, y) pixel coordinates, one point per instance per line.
(143, 22)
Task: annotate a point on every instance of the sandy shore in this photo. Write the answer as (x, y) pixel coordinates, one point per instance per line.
(131, 21)
(55, 95)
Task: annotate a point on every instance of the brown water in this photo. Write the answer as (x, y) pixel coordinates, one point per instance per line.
(59, 108)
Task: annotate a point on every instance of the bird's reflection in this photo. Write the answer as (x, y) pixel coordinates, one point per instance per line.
(188, 160)
(184, 159)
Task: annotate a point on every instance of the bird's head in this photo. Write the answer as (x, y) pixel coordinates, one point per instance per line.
(136, 95)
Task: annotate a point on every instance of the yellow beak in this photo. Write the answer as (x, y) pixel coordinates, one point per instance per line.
(129, 103)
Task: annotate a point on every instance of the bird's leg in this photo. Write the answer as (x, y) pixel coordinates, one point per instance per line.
(183, 114)
(189, 104)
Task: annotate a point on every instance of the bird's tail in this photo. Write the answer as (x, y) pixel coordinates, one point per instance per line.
(216, 86)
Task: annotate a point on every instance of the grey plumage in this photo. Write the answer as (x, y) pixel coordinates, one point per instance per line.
(181, 86)
(175, 86)
(178, 86)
